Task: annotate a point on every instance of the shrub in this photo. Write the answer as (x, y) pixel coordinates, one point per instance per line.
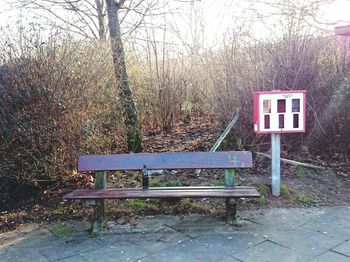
(264, 189)
(260, 201)
(307, 200)
(285, 192)
(56, 101)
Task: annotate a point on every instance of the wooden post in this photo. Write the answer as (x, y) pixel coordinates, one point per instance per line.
(145, 177)
(100, 207)
(230, 203)
(276, 163)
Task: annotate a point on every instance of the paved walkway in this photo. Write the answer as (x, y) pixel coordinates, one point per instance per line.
(314, 234)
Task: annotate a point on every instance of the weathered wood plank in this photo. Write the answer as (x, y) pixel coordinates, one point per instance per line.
(179, 160)
(129, 193)
(194, 187)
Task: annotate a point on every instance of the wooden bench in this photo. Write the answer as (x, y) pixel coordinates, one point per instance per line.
(145, 162)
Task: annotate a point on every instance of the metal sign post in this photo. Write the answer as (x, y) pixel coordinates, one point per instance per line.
(276, 163)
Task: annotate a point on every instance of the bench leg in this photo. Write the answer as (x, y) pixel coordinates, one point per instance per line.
(100, 220)
(231, 206)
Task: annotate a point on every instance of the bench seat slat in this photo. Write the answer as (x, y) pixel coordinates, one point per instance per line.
(194, 187)
(156, 161)
(188, 192)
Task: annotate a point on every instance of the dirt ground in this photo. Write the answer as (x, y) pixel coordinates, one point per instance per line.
(300, 186)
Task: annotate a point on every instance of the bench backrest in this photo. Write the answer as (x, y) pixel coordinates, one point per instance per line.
(166, 161)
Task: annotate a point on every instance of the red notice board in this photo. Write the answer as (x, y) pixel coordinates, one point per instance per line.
(279, 111)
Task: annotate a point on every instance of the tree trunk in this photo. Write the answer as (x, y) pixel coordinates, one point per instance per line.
(100, 16)
(125, 95)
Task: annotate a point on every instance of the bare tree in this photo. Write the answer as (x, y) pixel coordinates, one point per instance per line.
(87, 18)
(82, 17)
(125, 95)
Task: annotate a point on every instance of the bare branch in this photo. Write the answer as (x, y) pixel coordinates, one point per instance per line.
(120, 3)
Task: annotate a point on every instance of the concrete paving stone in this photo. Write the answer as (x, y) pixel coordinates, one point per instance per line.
(151, 223)
(187, 251)
(284, 218)
(149, 241)
(266, 251)
(22, 230)
(305, 242)
(338, 211)
(66, 229)
(22, 234)
(255, 230)
(333, 214)
(74, 258)
(331, 226)
(233, 242)
(211, 247)
(28, 236)
(156, 242)
(115, 253)
(282, 234)
(196, 225)
(341, 212)
(118, 228)
(112, 239)
(23, 255)
(343, 248)
(330, 257)
(67, 247)
(229, 259)
(126, 229)
(146, 224)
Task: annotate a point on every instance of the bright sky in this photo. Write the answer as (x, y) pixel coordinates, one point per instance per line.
(338, 12)
(221, 17)
(217, 17)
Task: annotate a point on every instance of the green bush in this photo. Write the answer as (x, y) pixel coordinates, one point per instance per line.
(173, 183)
(304, 171)
(263, 189)
(56, 101)
(138, 203)
(219, 182)
(307, 200)
(260, 201)
(285, 192)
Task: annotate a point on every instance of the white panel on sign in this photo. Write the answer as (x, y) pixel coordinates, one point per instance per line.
(279, 111)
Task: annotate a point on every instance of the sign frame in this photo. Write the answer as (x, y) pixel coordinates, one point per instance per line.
(258, 105)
